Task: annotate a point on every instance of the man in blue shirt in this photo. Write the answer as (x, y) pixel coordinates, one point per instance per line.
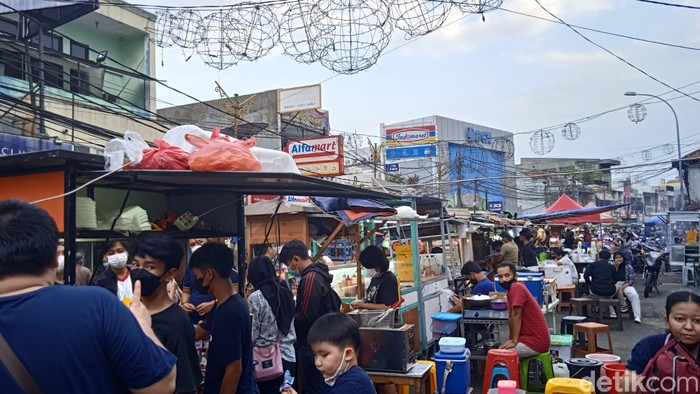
(70, 339)
(230, 356)
(478, 281)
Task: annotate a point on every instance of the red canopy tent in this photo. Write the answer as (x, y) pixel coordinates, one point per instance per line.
(566, 203)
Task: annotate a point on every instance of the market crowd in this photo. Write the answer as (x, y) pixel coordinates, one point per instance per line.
(132, 328)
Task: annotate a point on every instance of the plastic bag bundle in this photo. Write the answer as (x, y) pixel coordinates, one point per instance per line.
(165, 157)
(132, 145)
(221, 154)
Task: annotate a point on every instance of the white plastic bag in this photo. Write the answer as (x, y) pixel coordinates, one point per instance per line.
(176, 136)
(132, 145)
(274, 160)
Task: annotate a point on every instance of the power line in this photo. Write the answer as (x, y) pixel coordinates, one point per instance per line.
(613, 54)
(670, 4)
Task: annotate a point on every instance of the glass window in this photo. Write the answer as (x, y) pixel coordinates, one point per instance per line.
(51, 42)
(8, 27)
(79, 50)
(79, 81)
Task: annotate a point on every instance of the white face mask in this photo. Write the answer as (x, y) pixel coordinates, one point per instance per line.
(331, 381)
(194, 248)
(371, 272)
(117, 260)
(61, 263)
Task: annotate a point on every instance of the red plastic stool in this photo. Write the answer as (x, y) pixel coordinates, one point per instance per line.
(507, 358)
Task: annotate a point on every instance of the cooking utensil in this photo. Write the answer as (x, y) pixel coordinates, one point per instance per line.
(477, 303)
(373, 322)
(499, 305)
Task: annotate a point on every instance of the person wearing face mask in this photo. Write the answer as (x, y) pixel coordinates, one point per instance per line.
(315, 298)
(82, 273)
(528, 339)
(383, 289)
(230, 354)
(195, 304)
(156, 260)
(335, 340)
(116, 277)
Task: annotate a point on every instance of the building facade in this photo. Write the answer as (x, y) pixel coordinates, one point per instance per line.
(98, 74)
(464, 163)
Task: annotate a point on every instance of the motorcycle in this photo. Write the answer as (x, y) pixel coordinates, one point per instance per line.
(654, 260)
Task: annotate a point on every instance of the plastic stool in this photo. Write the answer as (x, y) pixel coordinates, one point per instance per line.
(546, 360)
(498, 370)
(604, 305)
(568, 386)
(688, 275)
(582, 307)
(591, 330)
(505, 357)
(571, 291)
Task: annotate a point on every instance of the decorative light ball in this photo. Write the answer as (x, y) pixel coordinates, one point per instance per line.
(300, 38)
(668, 149)
(359, 30)
(504, 145)
(571, 131)
(542, 142)
(478, 6)
(647, 155)
(215, 50)
(418, 17)
(637, 113)
(189, 29)
(254, 31)
(160, 32)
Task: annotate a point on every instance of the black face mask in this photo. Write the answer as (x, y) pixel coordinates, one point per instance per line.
(199, 286)
(149, 282)
(508, 284)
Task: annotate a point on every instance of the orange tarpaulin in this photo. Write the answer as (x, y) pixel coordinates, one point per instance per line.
(566, 203)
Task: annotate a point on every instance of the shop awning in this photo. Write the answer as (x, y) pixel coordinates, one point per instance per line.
(658, 219)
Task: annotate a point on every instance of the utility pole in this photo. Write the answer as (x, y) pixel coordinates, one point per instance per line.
(374, 148)
(459, 179)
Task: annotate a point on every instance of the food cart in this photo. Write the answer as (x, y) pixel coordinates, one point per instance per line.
(60, 177)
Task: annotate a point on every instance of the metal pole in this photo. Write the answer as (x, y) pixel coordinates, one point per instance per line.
(678, 143)
(42, 103)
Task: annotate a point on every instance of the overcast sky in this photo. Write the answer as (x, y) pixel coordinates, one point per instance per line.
(512, 72)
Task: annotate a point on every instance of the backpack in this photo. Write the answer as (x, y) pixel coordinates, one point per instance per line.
(672, 370)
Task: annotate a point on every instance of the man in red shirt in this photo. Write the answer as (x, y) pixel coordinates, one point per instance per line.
(529, 334)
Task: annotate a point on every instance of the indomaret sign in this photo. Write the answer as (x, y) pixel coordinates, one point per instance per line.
(318, 156)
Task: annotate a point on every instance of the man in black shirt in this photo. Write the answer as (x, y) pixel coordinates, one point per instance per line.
(156, 259)
(230, 356)
(600, 276)
(528, 253)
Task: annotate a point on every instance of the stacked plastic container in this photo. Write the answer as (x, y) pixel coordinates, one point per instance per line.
(454, 350)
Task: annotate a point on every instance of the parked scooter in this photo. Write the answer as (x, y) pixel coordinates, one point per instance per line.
(654, 259)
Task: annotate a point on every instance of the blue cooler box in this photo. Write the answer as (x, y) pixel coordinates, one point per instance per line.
(534, 281)
(458, 380)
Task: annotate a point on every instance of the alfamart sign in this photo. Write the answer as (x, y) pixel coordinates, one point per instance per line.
(411, 135)
(318, 156)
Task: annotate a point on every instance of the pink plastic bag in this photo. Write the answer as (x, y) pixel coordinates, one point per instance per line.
(165, 157)
(221, 154)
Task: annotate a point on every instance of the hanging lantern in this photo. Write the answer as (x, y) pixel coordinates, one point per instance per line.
(478, 6)
(188, 29)
(668, 149)
(254, 32)
(571, 131)
(647, 155)
(542, 142)
(160, 33)
(637, 113)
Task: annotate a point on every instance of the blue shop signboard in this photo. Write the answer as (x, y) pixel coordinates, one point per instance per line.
(393, 167)
(495, 206)
(410, 152)
(11, 144)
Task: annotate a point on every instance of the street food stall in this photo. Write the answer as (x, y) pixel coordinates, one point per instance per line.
(684, 244)
(56, 179)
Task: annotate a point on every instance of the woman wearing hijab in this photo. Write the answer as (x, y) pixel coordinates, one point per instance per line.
(272, 307)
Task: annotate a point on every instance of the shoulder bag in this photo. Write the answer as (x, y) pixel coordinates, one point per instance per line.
(671, 372)
(13, 364)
